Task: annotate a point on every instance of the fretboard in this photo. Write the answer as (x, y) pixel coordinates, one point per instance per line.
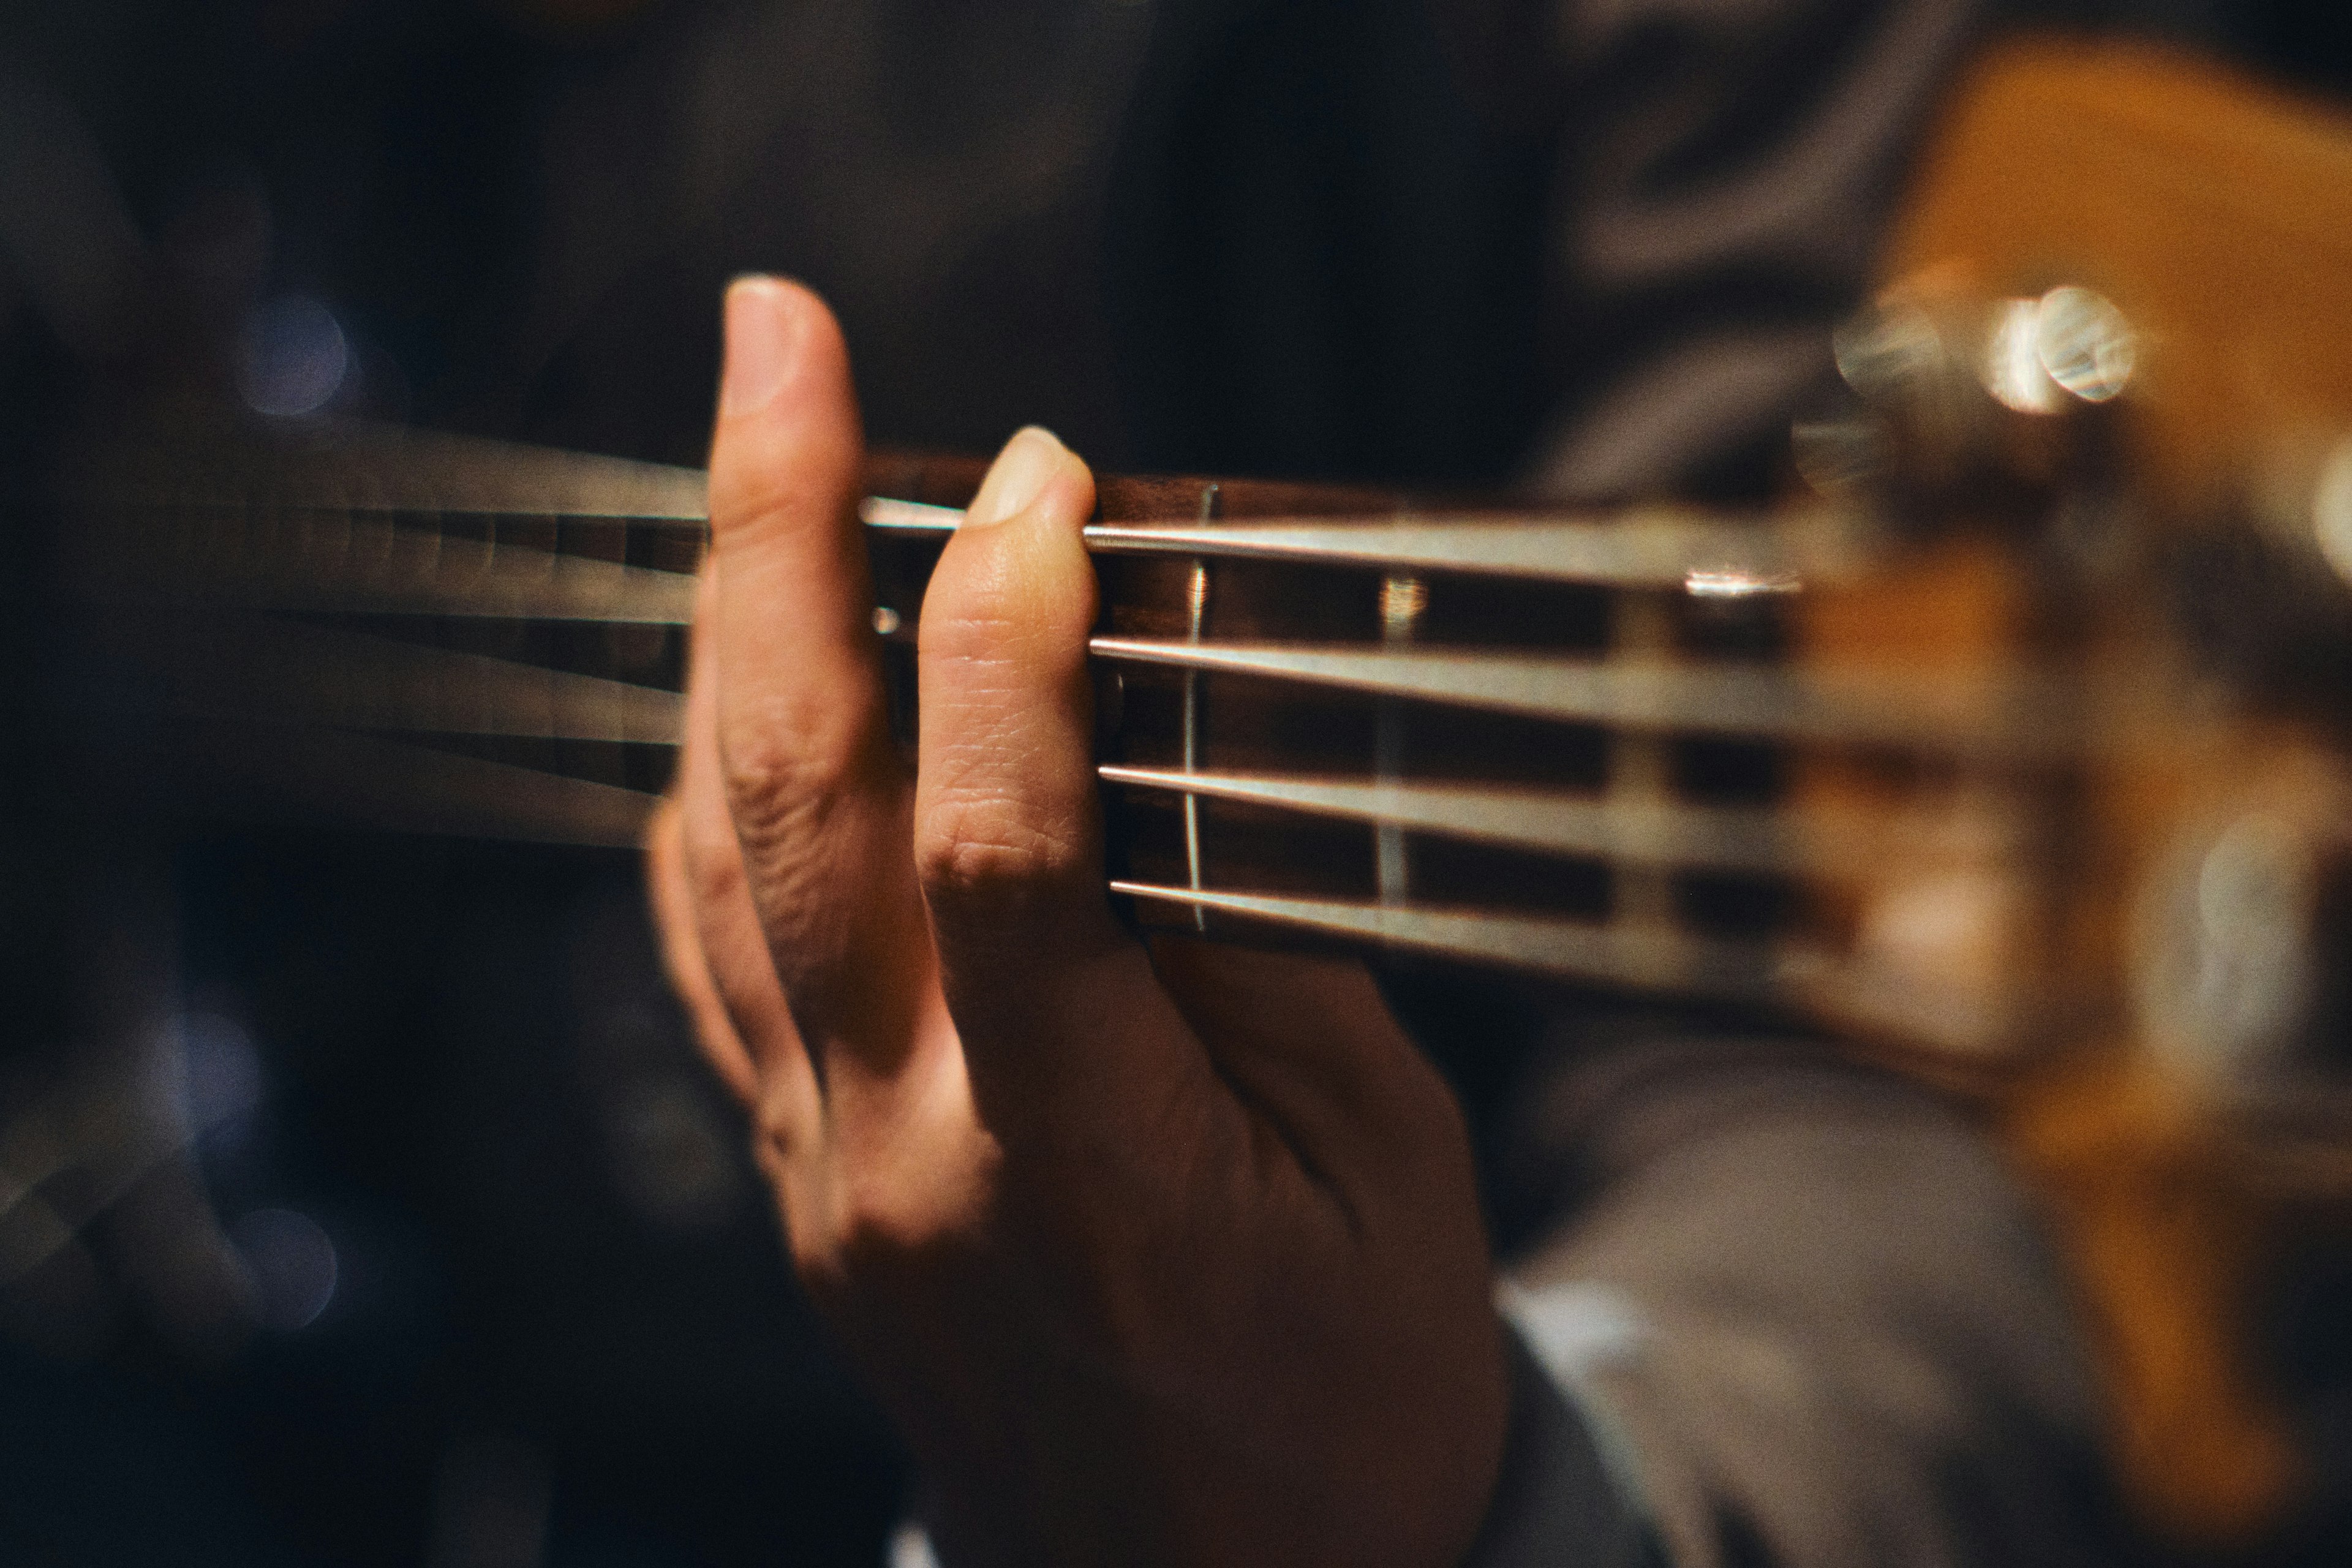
(1783, 760)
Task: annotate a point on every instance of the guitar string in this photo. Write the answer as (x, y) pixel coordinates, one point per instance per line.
(327, 564)
(402, 687)
(1655, 547)
(379, 565)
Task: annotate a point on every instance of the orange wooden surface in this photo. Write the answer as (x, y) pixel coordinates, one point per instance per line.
(2217, 213)
(2215, 210)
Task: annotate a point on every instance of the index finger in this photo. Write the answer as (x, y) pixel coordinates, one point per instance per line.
(814, 785)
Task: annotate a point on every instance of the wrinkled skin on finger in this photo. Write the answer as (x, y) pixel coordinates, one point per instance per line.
(1156, 1254)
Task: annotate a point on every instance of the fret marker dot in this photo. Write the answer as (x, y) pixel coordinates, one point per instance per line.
(886, 620)
(1402, 600)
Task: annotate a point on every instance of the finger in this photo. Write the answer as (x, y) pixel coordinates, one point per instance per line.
(811, 783)
(1062, 1021)
(1311, 1045)
(681, 953)
(723, 927)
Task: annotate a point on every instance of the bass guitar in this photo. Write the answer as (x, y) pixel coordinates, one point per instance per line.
(2011, 749)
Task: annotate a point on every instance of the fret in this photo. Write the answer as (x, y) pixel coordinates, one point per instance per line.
(1402, 599)
(1640, 763)
(1196, 610)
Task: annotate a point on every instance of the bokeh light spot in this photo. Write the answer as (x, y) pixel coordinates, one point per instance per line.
(291, 1263)
(295, 357)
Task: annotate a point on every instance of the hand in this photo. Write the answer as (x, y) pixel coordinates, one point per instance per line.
(1155, 1256)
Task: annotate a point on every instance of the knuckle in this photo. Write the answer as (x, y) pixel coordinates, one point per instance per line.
(789, 770)
(987, 849)
(875, 1238)
(758, 509)
(767, 764)
(892, 1222)
(890, 1234)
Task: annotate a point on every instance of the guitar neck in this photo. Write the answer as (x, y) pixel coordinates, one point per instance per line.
(1717, 756)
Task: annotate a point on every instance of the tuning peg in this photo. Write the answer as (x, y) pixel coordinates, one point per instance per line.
(2077, 341)
(1963, 404)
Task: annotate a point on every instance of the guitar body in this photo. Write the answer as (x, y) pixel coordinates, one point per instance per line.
(2217, 214)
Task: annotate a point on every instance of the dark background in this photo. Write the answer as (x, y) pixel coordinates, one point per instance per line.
(561, 1327)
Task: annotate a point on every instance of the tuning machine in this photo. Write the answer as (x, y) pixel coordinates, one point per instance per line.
(1958, 407)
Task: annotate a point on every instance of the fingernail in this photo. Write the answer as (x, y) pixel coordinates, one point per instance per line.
(763, 339)
(1018, 477)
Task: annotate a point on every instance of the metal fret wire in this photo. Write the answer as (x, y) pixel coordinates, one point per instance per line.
(1640, 762)
(1196, 610)
(1402, 598)
(1196, 598)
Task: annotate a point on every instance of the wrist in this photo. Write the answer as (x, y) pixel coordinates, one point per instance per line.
(1555, 1499)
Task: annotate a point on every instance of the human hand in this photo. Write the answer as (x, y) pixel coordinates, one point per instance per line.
(1166, 1255)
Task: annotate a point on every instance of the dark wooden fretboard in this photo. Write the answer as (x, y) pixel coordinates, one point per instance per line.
(1736, 757)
